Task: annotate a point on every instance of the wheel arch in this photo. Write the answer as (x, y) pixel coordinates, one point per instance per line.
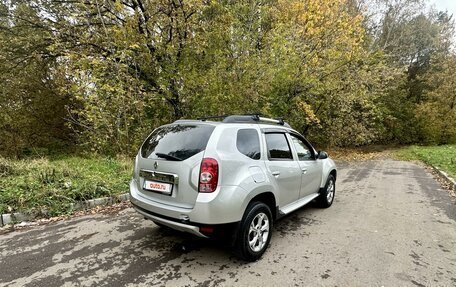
(333, 173)
(267, 198)
(328, 167)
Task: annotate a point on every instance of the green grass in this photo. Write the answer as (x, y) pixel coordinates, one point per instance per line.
(443, 157)
(50, 186)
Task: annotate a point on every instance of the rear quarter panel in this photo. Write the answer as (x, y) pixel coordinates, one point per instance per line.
(237, 170)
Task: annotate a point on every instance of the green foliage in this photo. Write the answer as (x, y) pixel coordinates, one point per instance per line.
(443, 157)
(32, 111)
(230, 58)
(103, 74)
(411, 39)
(51, 186)
(437, 113)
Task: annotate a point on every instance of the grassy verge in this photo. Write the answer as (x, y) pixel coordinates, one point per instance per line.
(443, 157)
(50, 186)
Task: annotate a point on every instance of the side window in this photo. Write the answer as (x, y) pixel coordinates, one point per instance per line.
(248, 143)
(304, 152)
(278, 148)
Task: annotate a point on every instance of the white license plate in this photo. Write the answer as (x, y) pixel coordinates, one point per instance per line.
(161, 187)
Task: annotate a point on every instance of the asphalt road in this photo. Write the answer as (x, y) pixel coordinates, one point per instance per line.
(390, 225)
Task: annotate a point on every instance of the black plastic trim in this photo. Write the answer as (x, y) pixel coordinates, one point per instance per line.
(182, 221)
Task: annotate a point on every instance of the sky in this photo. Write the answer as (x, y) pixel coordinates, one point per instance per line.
(443, 5)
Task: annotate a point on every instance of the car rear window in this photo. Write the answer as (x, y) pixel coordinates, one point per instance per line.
(248, 143)
(176, 142)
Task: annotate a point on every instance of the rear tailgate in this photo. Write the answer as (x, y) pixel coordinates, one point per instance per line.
(179, 177)
(169, 162)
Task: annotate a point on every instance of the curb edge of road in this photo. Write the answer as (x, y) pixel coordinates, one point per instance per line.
(16, 217)
(445, 175)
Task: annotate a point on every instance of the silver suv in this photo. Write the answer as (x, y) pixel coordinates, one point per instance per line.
(233, 177)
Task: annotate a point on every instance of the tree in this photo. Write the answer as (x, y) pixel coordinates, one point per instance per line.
(409, 37)
(342, 72)
(437, 113)
(32, 110)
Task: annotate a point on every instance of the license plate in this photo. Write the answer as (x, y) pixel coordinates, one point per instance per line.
(156, 186)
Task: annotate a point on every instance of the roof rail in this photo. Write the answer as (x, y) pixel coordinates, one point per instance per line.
(211, 118)
(246, 118)
(254, 118)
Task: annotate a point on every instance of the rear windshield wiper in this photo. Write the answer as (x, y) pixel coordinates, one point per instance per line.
(167, 156)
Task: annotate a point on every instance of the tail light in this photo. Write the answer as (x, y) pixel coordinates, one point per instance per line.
(206, 230)
(208, 178)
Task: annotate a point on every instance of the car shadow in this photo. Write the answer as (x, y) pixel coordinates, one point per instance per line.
(221, 248)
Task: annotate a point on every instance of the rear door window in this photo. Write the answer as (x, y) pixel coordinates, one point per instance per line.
(176, 142)
(248, 143)
(278, 147)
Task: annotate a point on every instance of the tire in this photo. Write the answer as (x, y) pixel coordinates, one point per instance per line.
(326, 197)
(254, 233)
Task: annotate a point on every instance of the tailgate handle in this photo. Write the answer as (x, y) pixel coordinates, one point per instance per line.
(159, 176)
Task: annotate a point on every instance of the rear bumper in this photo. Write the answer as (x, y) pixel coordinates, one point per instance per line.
(170, 223)
(225, 205)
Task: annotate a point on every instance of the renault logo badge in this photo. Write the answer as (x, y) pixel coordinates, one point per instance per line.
(155, 165)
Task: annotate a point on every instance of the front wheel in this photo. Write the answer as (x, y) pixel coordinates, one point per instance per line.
(255, 232)
(326, 197)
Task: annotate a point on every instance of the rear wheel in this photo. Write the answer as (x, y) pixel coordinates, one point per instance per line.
(255, 232)
(326, 197)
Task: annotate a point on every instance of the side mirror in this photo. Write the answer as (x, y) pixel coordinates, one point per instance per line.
(322, 155)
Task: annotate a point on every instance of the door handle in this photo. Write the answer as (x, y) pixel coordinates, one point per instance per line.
(304, 170)
(276, 173)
